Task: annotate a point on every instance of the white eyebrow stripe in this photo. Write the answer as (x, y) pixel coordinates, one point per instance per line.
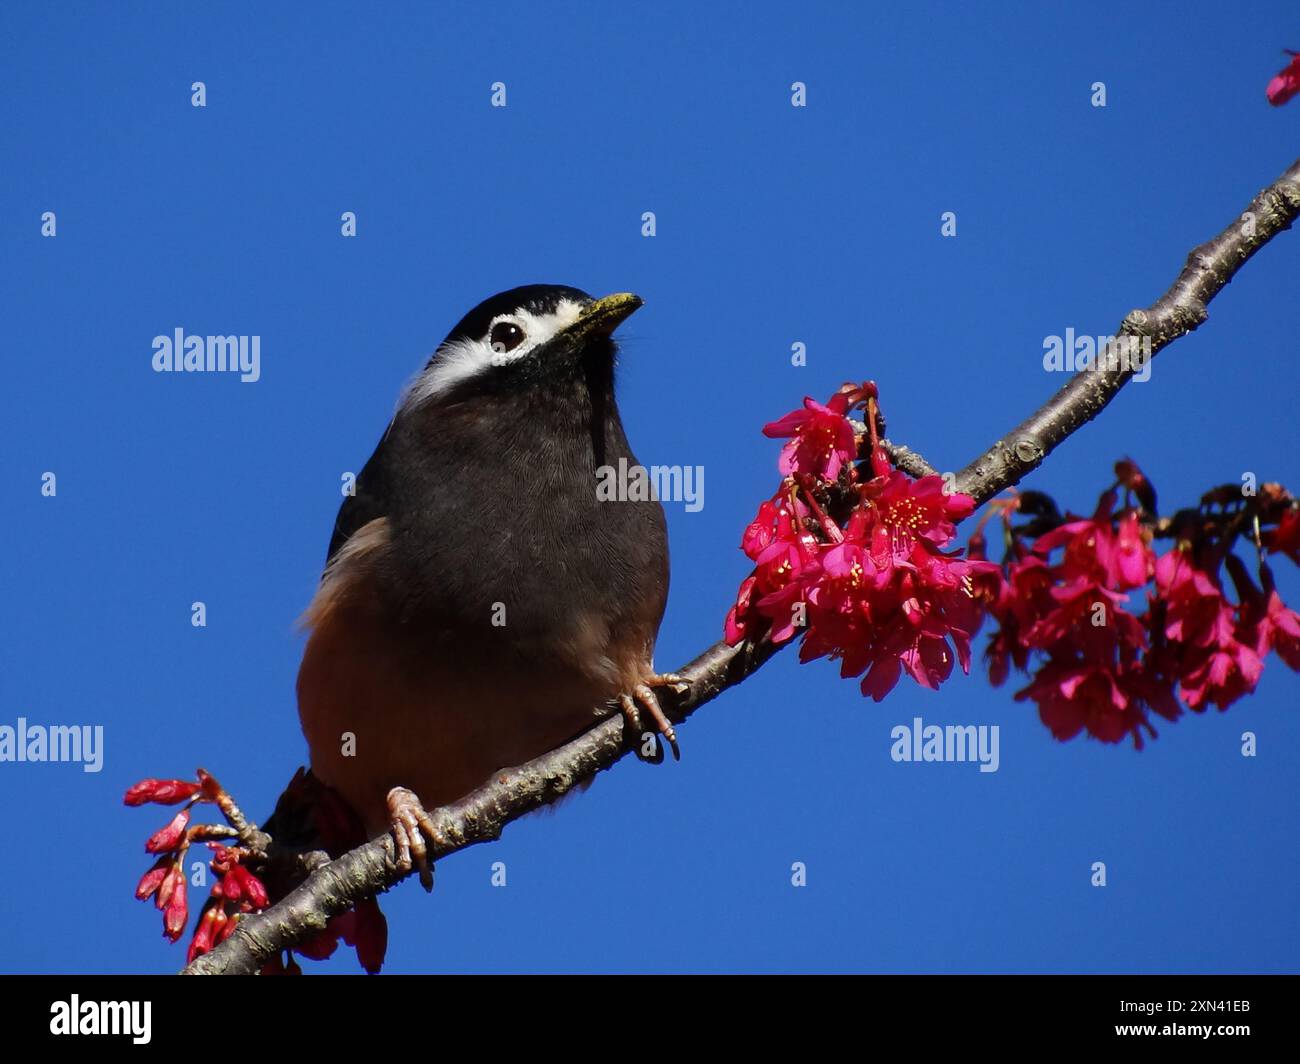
(460, 359)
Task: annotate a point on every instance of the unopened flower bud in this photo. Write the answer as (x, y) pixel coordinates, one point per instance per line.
(161, 792)
(168, 838)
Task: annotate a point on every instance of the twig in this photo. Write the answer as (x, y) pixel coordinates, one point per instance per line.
(1180, 310)
(908, 460)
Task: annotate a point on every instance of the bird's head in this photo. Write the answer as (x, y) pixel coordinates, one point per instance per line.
(533, 333)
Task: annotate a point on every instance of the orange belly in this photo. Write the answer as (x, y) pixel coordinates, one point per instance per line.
(385, 704)
(380, 710)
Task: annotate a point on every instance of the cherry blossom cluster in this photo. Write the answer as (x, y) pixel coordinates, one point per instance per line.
(236, 889)
(855, 557)
(1103, 660)
(851, 555)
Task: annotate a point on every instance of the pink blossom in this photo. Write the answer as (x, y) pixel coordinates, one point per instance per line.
(821, 438)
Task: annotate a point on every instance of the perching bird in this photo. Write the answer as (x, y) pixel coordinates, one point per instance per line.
(479, 604)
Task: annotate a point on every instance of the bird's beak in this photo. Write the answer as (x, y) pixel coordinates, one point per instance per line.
(603, 316)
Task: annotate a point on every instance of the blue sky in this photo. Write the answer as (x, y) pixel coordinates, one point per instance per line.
(775, 225)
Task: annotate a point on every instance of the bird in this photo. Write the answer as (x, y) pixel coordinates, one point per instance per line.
(479, 605)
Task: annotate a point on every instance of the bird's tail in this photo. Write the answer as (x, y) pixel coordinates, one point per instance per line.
(311, 816)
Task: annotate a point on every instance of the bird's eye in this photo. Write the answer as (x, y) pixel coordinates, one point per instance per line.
(505, 336)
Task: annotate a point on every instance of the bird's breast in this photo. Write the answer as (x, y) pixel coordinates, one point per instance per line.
(500, 531)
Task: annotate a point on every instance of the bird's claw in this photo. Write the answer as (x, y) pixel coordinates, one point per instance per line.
(644, 697)
(679, 684)
(410, 822)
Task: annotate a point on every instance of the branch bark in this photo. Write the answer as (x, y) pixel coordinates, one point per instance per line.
(482, 815)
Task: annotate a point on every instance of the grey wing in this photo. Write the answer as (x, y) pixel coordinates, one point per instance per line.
(371, 501)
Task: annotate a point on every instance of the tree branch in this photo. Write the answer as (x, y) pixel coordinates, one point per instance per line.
(482, 815)
(1179, 311)
(904, 458)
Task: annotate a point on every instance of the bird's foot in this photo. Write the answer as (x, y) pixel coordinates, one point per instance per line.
(643, 697)
(410, 822)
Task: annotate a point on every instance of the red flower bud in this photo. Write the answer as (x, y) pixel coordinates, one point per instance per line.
(163, 792)
(370, 936)
(201, 943)
(224, 927)
(176, 913)
(209, 786)
(175, 877)
(152, 880)
(253, 888)
(168, 838)
(1286, 84)
(320, 947)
